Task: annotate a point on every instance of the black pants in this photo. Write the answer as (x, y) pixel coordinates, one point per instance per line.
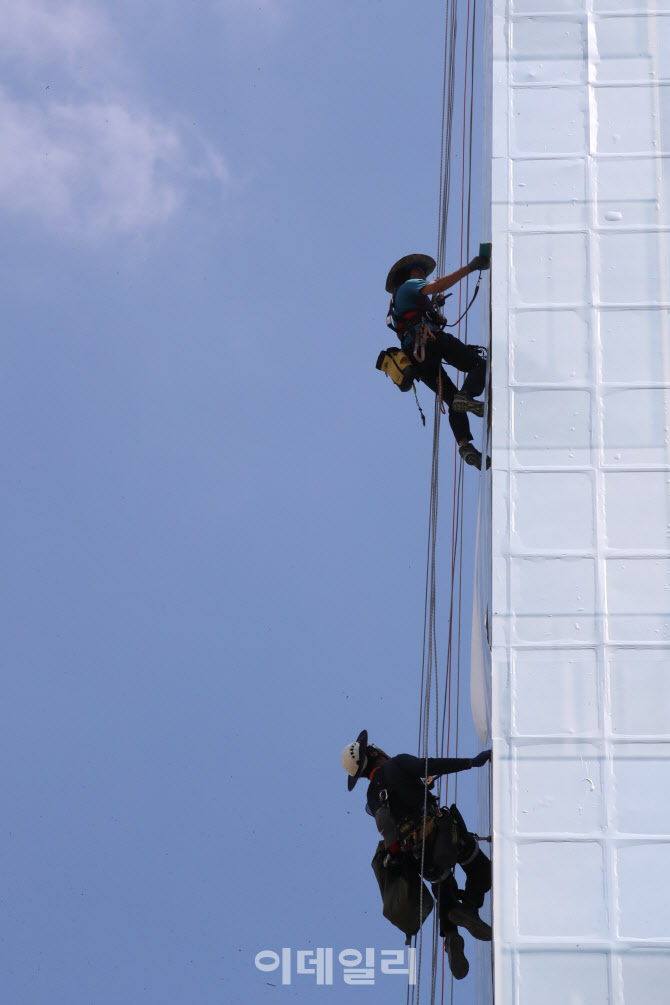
(469, 360)
(477, 884)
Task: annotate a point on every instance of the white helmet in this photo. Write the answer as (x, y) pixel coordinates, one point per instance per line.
(355, 758)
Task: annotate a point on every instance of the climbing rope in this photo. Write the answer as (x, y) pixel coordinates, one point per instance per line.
(430, 697)
(429, 670)
(448, 92)
(429, 659)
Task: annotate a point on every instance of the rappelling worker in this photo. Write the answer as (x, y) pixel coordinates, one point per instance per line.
(415, 319)
(415, 829)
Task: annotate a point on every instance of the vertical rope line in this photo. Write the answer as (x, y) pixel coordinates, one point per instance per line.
(457, 524)
(440, 210)
(472, 94)
(431, 660)
(451, 603)
(445, 186)
(461, 489)
(429, 648)
(458, 644)
(465, 94)
(425, 621)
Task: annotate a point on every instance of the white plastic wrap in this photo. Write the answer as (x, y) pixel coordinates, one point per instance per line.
(573, 586)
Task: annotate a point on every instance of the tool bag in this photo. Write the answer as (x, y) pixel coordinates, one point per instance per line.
(406, 898)
(394, 362)
(396, 365)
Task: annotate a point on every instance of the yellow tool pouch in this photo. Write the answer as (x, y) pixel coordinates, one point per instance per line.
(396, 365)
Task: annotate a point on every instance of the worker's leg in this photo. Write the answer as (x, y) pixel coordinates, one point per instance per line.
(475, 381)
(477, 870)
(458, 421)
(466, 358)
(473, 862)
(446, 895)
(477, 879)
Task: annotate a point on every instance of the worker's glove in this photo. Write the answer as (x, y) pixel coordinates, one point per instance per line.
(478, 263)
(480, 760)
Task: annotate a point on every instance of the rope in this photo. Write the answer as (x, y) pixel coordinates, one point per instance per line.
(448, 91)
(429, 672)
(430, 655)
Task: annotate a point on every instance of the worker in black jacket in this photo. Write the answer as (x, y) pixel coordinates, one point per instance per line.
(414, 827)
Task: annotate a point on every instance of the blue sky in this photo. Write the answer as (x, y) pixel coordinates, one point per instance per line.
(215, 508)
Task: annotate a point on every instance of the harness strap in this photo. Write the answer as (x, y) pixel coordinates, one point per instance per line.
(472, 857)
(469, 305)
(404, 321)
(419, 348)
(416, 833)
(429, 312)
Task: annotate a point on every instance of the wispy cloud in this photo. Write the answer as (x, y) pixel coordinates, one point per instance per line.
(90, 164)
(41, 32)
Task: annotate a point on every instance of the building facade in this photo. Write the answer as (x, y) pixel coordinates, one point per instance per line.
(571, 641)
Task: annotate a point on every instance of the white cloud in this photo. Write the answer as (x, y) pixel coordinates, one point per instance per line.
(61, 32)
(90, 165)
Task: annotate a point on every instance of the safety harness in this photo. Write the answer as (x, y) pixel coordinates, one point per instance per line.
(444, 831)
(394, 362)
(438, 824)
(423, 319)
(413, 829)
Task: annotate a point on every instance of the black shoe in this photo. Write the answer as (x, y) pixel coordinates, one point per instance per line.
(466, 916)
(472, 456)
(454, 948)
(466, 403)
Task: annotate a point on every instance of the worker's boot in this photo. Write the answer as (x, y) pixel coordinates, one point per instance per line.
(472, 456)
(464, 402)
(467, 916)
(454, 948)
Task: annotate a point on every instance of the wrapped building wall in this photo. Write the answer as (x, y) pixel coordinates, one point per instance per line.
(571, 637)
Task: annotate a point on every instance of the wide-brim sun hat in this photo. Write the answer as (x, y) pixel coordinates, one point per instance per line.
(403, 265)
(355, 758)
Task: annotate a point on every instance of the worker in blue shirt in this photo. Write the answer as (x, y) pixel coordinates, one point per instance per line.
(414, 316)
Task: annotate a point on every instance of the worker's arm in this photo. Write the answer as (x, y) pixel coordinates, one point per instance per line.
(448, 765)
(436, 765)
(446, 282)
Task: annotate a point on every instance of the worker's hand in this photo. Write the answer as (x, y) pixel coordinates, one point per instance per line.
(480, 760)
(478, 263)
